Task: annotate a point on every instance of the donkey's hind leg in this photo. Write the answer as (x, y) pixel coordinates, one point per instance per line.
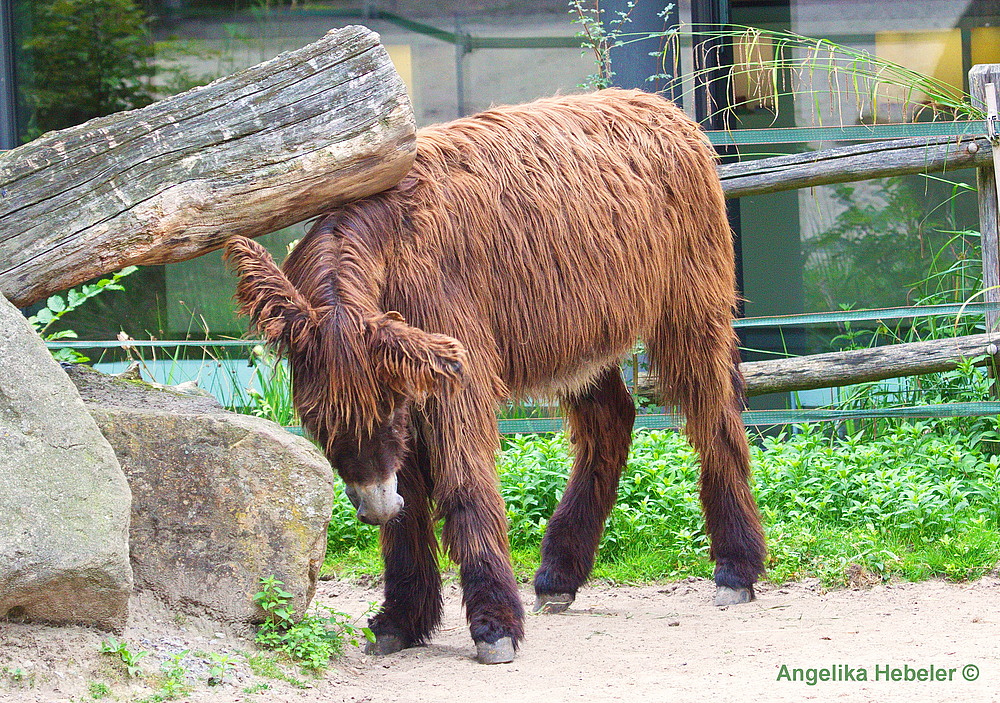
(412, 607)
(600, 421)
(701, 374)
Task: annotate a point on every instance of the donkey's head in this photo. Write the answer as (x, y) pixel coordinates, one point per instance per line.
(356, 375)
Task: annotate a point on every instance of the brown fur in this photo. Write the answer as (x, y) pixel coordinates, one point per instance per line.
(523, 255)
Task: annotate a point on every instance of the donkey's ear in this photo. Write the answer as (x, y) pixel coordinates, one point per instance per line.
(264, 294)
(413, 362)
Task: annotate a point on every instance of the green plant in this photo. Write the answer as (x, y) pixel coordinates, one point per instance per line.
(257, 688)
(174, 683)
(311, 640)
(599, 34)
(918, 500)
(98, 690)
(18, 677)
(827, 76)
(273, 398)
(886, 237)
(220, 666)
(263, 664)
(130, 659)
(57, 306)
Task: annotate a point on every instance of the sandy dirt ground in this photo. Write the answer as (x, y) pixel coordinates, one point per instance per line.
(650, 643)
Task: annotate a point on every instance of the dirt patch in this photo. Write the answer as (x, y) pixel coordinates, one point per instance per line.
(648, 643)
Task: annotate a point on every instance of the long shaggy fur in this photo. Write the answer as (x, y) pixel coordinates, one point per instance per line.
(523, 255)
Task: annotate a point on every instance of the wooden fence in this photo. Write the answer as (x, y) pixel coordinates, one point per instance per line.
(874, 160)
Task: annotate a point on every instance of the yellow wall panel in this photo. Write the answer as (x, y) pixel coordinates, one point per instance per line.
(985, 45)
(401, 58)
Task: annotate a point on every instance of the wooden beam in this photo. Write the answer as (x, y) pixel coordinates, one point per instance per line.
(857, 162)
(863, 365)
(986, 185)
(856, 366)
(251, 153)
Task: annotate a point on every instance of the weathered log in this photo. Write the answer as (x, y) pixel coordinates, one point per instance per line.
(251, 153)
(856, 366)
(857, 162)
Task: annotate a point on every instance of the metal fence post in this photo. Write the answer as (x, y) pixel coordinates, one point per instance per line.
(8, 96)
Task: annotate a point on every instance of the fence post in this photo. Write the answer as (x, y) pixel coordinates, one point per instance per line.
(981, 76)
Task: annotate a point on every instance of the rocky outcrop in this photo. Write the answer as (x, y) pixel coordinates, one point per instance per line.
(64, 502)
(220, 500)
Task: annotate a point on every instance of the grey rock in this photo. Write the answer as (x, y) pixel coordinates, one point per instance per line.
(220, 500)
(64, 505)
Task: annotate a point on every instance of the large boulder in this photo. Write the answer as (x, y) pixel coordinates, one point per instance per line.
(64, 505)
(219, 500)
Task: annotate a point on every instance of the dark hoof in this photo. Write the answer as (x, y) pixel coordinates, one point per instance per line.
(499, 652)
(733, 596)
(552, 603)
(385, 644)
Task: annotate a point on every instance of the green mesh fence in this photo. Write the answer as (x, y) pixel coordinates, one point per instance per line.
(751, 418)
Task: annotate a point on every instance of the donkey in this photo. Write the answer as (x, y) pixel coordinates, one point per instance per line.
(522, 256)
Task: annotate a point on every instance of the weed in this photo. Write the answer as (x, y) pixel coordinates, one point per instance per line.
(174, 683)
(57, 306)
(273, 400)
(220, 665)
(98, 690)
(311, 640)
(257, 688)
(129, 659)
(917, 501)
(266, 665)
(599, 33)
(17, 677)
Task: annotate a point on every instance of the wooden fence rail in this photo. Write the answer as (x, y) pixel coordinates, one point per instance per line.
(853, 163)
(856, 366)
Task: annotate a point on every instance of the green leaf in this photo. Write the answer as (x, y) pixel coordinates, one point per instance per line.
(56, 304)
(43, 317)
(75, 298)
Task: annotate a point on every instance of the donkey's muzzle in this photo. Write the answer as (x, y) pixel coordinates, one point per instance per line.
(376, 503)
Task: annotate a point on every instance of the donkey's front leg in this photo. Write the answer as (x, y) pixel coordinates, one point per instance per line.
(463, 440)
(475, 534)
(412, 607)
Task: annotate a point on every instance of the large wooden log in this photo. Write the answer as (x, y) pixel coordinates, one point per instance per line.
(853, 163)
(251, 153)
(856, 366)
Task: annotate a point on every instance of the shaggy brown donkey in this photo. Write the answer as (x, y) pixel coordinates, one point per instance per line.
(524, 254)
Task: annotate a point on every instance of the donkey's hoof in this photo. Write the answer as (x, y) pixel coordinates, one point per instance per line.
(385, 644)
(499, 652)
(552, 603)
(724, 595)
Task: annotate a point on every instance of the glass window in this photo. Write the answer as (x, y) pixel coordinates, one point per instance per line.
(860, 245)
